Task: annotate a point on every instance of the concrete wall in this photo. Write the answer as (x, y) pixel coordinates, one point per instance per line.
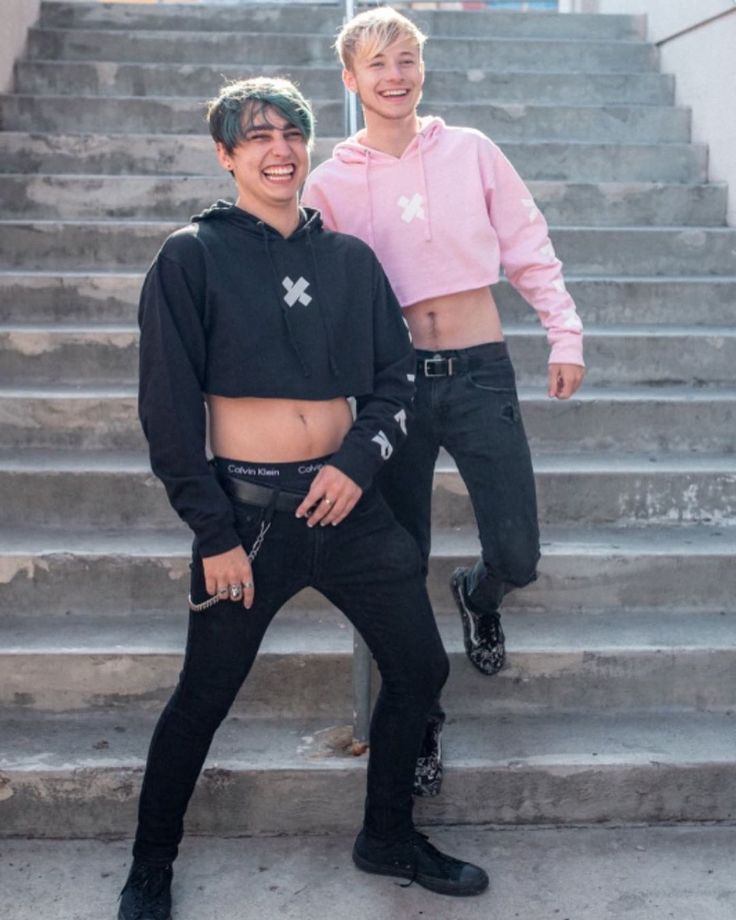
(17, 16)
(704, 64)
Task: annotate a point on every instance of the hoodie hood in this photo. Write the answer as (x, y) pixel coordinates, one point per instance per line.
(310, 220)
(352, 152)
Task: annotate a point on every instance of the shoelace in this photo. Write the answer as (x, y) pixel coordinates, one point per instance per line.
(421, 843)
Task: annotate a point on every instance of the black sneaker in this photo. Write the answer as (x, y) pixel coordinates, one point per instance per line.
(483, 633)
(428, 771)
(420, 862)
(147, 893)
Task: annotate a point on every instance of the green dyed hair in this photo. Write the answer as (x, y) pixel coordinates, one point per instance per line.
(235, 109)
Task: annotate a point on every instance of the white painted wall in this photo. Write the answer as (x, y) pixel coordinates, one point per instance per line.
(17, 16)
(704, 65)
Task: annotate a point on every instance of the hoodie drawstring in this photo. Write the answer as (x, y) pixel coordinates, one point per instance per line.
(371, 234)
(320, 300)
(425, 195)
(306, 370)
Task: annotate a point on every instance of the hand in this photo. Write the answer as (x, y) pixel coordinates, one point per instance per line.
(230, 568)
(564, 379)
(332, 496)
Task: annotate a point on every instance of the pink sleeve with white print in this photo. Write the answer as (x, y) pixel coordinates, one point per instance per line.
(528, 256)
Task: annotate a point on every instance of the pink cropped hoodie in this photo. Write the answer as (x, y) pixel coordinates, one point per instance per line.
(443, 217)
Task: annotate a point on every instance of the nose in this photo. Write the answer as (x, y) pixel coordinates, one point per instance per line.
(280, 144)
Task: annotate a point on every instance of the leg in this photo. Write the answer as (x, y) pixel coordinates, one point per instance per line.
(485, 435)
(373, 574)
(221, 646)
(375, 578)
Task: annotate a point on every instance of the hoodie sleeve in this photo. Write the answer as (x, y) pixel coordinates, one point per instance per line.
(171, 402)
(382, 417)
(528, 256)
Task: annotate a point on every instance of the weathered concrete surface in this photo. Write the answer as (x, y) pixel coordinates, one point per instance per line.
(275, 18)
(578, 55)
(474, 84)
(178, 197)
(556, 662)
(514, 121)
(92, 490)
(161, 154)
(66, 776)
(74, 298)
(616, 356)
(583, 569)
(592, 251)
(639, 873)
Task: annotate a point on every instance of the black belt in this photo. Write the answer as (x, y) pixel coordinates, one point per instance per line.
(261, 496)
(446, 367)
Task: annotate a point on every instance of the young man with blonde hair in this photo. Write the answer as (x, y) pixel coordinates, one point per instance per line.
(443, 209)
(253, 338)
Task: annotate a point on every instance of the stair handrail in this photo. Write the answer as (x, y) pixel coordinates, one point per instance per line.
(361, 661)
(695, 26)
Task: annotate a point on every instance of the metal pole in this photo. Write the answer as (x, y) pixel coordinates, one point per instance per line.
(361, 655)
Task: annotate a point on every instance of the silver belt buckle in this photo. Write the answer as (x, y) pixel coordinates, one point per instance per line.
(428, 362)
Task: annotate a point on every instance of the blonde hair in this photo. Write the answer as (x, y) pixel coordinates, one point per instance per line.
(373, 31)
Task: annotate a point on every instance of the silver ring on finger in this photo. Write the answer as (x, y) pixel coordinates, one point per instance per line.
(236, 592)
(222, 592)
(248, 585)
(326, 500)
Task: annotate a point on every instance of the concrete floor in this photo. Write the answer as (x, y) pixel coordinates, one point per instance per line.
(684, 872)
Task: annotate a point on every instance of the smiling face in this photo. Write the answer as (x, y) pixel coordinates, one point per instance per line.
(388, 81)
(269, 165)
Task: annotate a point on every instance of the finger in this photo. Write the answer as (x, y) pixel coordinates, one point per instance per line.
(320, 511)
(552, 381)
(335, 513)
(310, 499)
(249, 591)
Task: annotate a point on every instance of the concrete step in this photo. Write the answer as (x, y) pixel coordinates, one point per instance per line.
(601, 420)
(302, 49)
(111, 78)
(56, 573)
(192, 154)
(323, 19)
(178, 197)
(72, 777)
(53, 245)
(616, 356)
(81, 298)
(49, 489)
(591, 872)
(516, 121)
(561, 663)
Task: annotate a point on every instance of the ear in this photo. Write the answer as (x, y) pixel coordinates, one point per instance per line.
(223, 157)
(348, 80)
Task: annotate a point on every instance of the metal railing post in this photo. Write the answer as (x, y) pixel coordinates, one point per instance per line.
(361, 655)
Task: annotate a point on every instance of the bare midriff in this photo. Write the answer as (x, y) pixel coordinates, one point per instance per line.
(458, 320)
(277, 430)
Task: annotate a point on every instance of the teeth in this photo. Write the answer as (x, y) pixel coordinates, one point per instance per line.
(394, 92)
(279, 171)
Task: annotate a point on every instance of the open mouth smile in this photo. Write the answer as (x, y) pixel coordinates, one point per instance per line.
(279, 173)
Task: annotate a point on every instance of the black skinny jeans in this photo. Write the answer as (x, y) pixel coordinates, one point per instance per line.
(369, 568)
(475, 416)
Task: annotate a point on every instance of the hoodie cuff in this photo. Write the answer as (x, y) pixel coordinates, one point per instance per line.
(216, 541)
(352, 461)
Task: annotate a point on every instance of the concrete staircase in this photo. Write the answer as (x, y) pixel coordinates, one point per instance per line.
(618, 701)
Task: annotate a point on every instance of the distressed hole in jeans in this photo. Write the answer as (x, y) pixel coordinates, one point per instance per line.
(510, 413)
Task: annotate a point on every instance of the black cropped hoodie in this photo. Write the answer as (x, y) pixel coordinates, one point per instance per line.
(230, 307)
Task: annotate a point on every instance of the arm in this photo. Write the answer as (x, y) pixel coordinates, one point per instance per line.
(171, 404)
(381, 422)
(529, 259)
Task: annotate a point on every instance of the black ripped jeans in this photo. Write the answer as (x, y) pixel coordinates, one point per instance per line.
(475, 416)
(370, 569)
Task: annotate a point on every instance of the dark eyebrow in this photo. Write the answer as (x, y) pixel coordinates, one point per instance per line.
(265, 127)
